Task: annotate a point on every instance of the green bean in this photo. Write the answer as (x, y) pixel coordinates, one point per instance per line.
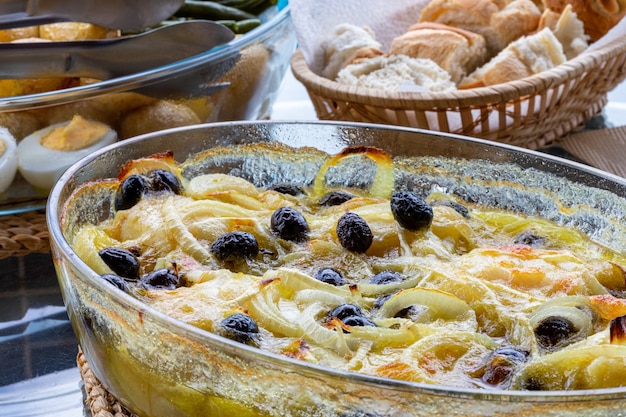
(246, 5)
(262, 6)
(241, 26)
(201, 9)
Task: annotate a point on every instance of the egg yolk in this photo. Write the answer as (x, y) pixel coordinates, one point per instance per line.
(77, 134)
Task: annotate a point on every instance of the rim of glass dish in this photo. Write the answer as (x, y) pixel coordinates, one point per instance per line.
(508, 396)
(129, 82)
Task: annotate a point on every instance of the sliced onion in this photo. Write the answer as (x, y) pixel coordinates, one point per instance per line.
(360, 356)
(383, 336)
(320, 335)
(297, 281)
(574, 309)
(310, 295)
(213, 208)
(374, 290)
(179, 233)
(203, 186)
(588, 367)
(263, 307)
(88, 242)
(446, 357)
(440, 303)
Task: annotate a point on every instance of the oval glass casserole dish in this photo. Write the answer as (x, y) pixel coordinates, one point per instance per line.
(505, 298)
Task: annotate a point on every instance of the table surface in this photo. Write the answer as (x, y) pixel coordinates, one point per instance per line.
(38, 374)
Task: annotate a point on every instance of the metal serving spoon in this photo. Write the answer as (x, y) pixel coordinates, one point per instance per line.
(110, 58)
(127, 15)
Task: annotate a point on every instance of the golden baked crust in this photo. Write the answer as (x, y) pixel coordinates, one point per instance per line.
(500, 22)
(457, 51)
(598, 16)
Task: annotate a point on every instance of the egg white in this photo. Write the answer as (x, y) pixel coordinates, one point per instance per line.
(42, 167)
(8, 160)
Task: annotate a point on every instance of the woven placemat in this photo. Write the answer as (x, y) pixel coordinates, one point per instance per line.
(100, 401)
(23, 233)
(603, 148)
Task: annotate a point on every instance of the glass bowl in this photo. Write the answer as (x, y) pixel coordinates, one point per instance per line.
(252, 66)
(158, 366)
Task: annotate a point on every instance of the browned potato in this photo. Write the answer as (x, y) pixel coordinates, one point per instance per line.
(244, 77)
(20, 123)
(108, 109)
(159, 115)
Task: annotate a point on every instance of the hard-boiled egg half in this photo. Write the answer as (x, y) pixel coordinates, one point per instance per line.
(45, 154)
(8, 159)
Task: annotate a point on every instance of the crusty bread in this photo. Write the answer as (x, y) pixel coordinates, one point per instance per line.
(347, 44)
(455, 50)
(567, 28)
(499, 21)
(522, 58)
(598, 16)
(391, 72)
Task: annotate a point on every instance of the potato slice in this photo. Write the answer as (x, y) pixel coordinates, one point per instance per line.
(75, 31)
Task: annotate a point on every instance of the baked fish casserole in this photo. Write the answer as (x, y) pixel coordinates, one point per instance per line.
(363, 269)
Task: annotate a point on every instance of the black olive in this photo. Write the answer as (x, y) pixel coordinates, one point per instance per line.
(241, 328)
(502, 363)
(235, 245)
(353, 233)
(335, 198)
(358, 321)
(130, 191)
(530, 239)
(410, 210)
(459, 208)
(350, 315)
(386, 277)
(289, 224)
(162, 180)
(381, 300)
(160, 279)
(412, 312)
(346, 310)
(116, 281)
(287, 188)
(331, 276)
(513, 354)
(551, 331)
(121, 261)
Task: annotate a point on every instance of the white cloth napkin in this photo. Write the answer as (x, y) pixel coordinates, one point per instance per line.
(315, 20)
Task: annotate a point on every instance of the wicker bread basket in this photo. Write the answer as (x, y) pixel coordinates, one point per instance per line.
(533, 112)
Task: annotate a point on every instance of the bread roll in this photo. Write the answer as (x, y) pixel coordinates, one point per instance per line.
(499, 21)
(568, 29)
(598, 16)
(455, 50)
(391, 72)
(524, 57)
(347, 44)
